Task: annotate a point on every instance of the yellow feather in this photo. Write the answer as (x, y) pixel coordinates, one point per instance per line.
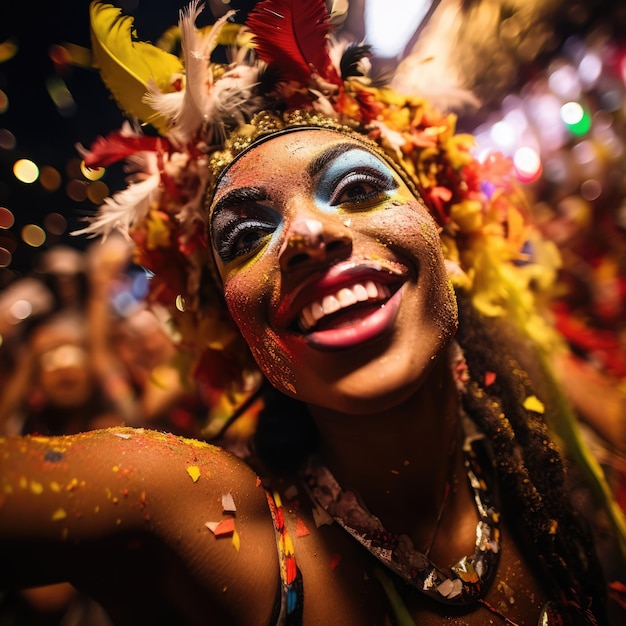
(126, 66)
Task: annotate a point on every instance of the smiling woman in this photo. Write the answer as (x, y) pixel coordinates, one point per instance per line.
(315, 257)
(341, 243)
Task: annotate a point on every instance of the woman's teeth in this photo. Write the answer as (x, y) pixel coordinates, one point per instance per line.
(344, 298)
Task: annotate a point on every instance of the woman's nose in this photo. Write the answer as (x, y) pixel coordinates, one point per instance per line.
(309, 241)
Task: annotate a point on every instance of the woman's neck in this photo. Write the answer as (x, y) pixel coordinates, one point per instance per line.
(400, 461)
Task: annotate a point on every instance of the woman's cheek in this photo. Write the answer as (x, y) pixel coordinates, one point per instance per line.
(247, 308)
(240, 300)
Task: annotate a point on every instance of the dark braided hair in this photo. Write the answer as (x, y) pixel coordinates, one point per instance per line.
(530, 468)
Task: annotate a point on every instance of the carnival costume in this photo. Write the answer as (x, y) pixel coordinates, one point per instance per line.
(285, 72)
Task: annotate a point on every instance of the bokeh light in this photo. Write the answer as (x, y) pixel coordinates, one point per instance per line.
(25, 171)
(8, 49)
(504, 135)
(564, 82)
(589, 69)
(55, 223)
(33, 235)
(20, 310)
(59, 55)
(76, 190)
(61, 96)
(5, 257)
(97, 192)
(79, 56)
(50, 178)
(527, 164)
(4, 102)
(7, 219)
(577, 120)
(591, 189)
(89, 173)
(7, 139)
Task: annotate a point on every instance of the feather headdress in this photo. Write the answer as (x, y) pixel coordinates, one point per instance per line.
(284, 60)
(286, 66)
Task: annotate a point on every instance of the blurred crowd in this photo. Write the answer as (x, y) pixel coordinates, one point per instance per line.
(80, 350)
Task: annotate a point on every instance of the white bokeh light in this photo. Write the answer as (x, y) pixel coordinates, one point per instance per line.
(390, 24)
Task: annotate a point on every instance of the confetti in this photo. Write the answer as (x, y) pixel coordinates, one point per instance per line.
(36, 488)
(228, 504)
(450, 588)
(194, 472)
(532, 403)
(122, 435)
(225, 527)
(59, 514)
(301, 529)
(490, 378)
(236, 541)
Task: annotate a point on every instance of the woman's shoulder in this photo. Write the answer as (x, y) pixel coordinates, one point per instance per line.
(133, 500)
(143, 473)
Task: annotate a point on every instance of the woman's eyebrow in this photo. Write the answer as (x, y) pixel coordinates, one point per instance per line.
(322, 160)
(238, 196)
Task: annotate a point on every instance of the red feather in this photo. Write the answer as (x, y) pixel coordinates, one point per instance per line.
(291, 35)
(116, 146)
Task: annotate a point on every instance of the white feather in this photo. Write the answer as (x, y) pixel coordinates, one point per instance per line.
(123, 209)
(189, 109)
(196, 53)
(193, 211)
(231, 98)
(168, 104)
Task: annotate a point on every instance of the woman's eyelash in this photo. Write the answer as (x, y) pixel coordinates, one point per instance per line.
(378, 180)
(232, 235)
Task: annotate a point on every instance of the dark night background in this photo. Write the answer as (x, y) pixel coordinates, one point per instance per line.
(42, 133)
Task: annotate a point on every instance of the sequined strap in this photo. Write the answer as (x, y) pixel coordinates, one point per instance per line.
(292, 590)
(558, 614)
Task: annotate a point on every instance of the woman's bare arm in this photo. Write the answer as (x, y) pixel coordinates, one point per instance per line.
(123, 510)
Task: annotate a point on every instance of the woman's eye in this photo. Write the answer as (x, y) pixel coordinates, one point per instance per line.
(357, 192)
(241, 238)
(359, 188)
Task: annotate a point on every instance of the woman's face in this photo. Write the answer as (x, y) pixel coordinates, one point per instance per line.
(332, 270)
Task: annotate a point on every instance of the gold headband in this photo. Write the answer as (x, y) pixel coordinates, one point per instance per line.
(267, 125)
